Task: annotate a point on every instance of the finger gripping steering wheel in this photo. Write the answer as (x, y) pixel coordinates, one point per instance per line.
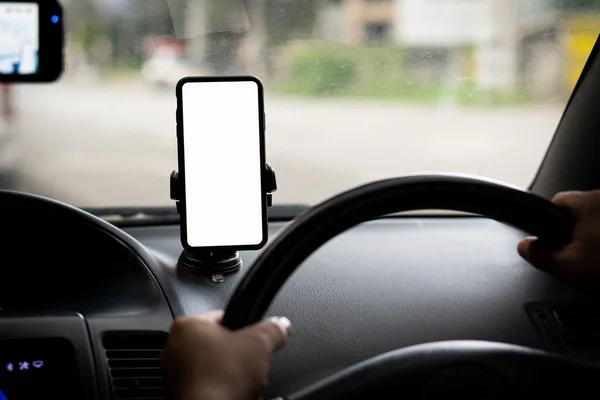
(417, 368)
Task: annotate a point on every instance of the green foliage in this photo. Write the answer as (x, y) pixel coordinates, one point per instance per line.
(322, 72)
(325, 69)
(318, 68)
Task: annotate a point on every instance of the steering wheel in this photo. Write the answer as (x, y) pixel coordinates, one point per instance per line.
(476, 369)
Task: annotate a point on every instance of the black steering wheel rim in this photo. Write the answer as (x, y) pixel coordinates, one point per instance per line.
(426, 370)
(470, 369)
(507, 204)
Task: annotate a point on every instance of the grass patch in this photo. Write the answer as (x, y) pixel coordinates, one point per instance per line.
(121, 73)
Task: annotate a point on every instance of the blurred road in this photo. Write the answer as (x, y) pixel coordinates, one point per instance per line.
(94, 145)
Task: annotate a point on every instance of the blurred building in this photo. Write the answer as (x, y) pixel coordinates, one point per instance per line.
(503, 45)
(496, 44)
(358, 22)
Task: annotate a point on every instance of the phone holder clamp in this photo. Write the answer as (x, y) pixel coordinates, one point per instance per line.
(212, 263)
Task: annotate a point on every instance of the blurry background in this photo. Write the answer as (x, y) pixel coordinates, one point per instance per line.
(356, 90)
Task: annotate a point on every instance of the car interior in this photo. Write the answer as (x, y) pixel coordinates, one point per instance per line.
(384, 303)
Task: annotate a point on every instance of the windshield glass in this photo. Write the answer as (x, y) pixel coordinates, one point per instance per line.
(356, 90)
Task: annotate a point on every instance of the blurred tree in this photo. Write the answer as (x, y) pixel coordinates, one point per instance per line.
(238, 36)
(128, 23)
(286, 20)
(290, 19)
(578, 5)
(124, 24)
(81, 21)
(271, 23)
(226, 25)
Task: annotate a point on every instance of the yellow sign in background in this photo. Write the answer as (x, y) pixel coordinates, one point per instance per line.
(582, 32)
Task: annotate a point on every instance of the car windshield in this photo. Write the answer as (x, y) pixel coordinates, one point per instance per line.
(355, 91)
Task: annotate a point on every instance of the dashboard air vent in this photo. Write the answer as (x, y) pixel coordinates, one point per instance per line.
(133, 359)
(569, 328)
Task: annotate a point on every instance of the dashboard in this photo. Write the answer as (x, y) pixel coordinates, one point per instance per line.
(93, 305)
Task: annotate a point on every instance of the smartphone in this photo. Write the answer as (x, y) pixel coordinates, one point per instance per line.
(221, 156)
(31, 41)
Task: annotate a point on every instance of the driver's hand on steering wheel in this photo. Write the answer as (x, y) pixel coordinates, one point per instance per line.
(204, 360)
(579, 261)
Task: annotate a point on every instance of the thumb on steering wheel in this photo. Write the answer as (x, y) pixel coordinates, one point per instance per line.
(559, 261)
(272, 332)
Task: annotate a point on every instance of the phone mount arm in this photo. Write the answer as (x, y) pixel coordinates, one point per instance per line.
(216, 263)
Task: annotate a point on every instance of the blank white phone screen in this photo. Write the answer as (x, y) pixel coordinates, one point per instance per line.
(221, 139)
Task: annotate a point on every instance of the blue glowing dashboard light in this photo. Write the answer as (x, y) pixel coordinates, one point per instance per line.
(54, 19)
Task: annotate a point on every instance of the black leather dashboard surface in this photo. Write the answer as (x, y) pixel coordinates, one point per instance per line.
(383, 285)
